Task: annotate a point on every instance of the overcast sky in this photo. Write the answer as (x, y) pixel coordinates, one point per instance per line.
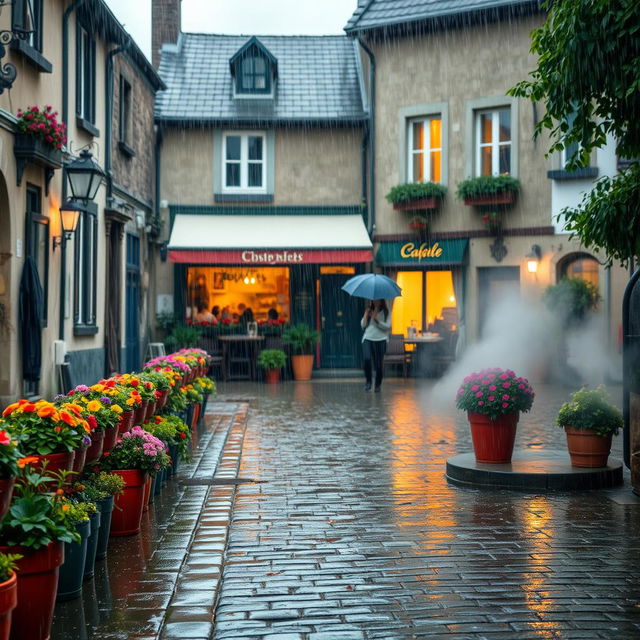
(253, 17)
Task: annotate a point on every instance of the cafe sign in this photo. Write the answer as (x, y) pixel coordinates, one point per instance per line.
(268, 257)
(438, 252)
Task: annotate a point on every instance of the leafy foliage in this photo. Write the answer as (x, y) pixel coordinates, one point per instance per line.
(108, 484)
(415, 191)
(8, 564)
(591, 409)
(571, 299)
(9, 454)
(183, 336)
(588, 76)
(486, 185)
(302, 338)
(272, 359)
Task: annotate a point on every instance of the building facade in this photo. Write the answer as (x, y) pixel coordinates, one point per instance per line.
(63, 53)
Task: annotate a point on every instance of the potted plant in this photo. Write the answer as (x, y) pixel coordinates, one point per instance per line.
(135, 401)
(121, 402)
(104, 486)
(36, 527)
(416, 196)
(590, 421)
(47, 432)
(303, 340)
(9, 456)
(272, 360)
(488, 190)
(8, 591)
(137, 454)
(75, 553)
(571, 300)
(493, 399)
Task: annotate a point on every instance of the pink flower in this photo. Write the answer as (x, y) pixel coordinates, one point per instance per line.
(492, 387)
(475, 387)
(506, 396)
(480, 403)
(504, 405)
(503, 376)
(506, 385)
(491, 398)
(485, 382)
(479, 394)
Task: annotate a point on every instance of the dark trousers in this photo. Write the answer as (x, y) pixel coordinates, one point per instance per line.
(373, 353)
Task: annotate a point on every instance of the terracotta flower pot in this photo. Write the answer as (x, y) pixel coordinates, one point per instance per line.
(162, 399)
(6, 493)
(127, 508)
(94, 452)
(125, 423)
(493, 439)
(420, 204)
(587, 448)
(195, 416)
(147, 493)
(110, 435)
(151, 409)
(72, 569)
(302, 367)
(272, 376)
(490, 199)
(55, 462)
(37, 586)
(79, 460)
(8, 602)
(139, 415)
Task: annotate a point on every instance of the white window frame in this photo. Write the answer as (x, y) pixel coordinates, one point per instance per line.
(495, 143)
(244, 162)
(427, 150)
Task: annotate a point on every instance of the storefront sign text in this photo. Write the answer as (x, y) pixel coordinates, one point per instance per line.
(410, 251)
(266, 257)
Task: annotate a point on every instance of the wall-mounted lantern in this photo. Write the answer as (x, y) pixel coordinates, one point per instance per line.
(533, 258)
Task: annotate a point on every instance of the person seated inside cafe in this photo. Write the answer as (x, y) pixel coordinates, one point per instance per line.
(273, 315)
(215, 312)
(204, 315)
(247, 315)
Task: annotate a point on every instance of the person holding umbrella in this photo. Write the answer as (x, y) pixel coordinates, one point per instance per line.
(376, 325)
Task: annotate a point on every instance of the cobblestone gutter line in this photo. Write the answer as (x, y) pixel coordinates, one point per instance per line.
(191, 611)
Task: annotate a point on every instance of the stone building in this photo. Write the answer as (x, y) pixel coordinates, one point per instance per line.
(64, 54)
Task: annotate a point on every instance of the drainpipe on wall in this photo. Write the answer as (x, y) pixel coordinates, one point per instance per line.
(372, 137)
(65, 116)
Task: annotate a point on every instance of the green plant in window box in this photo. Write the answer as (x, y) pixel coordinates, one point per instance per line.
(416, 196)
(488, 190)
(272, 359)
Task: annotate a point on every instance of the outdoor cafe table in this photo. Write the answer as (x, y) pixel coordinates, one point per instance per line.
(425, 348)
(240, 349)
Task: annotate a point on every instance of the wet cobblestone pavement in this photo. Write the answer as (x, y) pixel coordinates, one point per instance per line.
(343, 527)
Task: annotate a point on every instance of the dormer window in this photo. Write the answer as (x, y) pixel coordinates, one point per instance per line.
(254, 70)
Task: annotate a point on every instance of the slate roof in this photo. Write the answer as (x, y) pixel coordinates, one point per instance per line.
(385, 13)
(318, 80)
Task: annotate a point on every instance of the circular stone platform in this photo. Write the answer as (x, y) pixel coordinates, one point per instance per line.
(536, 469)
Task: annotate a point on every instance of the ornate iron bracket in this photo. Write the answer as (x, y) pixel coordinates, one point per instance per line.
(8, 71)
(498, 249)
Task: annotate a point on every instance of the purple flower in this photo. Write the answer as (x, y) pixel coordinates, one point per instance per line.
(105, 400)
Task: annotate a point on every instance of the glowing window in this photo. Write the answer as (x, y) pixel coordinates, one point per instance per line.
(493, 142)
(425, 150)
(584, 268)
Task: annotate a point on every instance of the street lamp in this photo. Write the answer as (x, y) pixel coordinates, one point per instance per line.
(69, 215)
(533, 258)
(85, 176)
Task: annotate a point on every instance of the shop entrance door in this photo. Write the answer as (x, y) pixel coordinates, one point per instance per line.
(132, 326)
(340, 322)
(495, 284)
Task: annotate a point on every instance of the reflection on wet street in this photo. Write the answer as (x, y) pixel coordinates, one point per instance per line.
(350, 530)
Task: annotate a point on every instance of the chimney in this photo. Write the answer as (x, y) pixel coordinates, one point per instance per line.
(166, 25)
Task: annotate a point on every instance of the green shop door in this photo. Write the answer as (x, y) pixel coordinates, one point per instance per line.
(340, 316)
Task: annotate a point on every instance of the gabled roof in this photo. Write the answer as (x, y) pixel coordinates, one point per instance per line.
(254, 43)
(377, 14)
(318, 81)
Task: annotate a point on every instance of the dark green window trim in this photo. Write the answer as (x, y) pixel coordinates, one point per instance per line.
(247, 80)
(85, 77)
(243, 197)
(36, 223)
(87, 126)
(124, 113)
(86, 266)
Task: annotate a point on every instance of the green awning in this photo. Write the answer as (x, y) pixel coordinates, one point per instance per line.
(417, 252)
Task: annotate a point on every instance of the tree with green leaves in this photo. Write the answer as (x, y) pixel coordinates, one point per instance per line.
(588, 77)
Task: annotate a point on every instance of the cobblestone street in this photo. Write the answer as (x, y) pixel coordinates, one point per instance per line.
(339, 524)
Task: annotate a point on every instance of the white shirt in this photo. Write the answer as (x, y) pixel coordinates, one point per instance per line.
(376, 329)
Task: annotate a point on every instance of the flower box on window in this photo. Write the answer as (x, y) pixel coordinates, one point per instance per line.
(28, 148)
(416, 196)
(489, 191)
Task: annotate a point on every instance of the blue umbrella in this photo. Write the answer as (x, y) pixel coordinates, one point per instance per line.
(372, 286)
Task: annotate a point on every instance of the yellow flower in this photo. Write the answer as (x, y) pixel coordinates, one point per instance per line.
(97, 387)
(130, 401)
(94, 405)
(116, 408)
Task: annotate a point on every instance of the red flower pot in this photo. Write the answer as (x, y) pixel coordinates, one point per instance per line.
(493, 439)
(162, 399)
(272, 376)
(139, 415)
(95, 449)
(110, 435)
(55, 461)
(8, 602)
(37, 587)
(147, 493)
(79, 460)
(127, 509)
(151, 409)
(196, 416)
(587, 448)
(419, 205)
(504, 198)
(6, 492)
(125, 423)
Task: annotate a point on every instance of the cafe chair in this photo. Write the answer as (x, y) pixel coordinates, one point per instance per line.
(396, 354)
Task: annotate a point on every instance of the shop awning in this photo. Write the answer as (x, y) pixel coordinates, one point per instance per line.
(415, 252)
(269, 239)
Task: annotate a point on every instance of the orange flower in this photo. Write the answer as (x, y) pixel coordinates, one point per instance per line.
(12, 407)
(59, 492)
(23, 462)
(29, 407)
(48, 411)
(94, 405)
(68, 418)
(57, 429)
(74, 408)
(65, 507)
